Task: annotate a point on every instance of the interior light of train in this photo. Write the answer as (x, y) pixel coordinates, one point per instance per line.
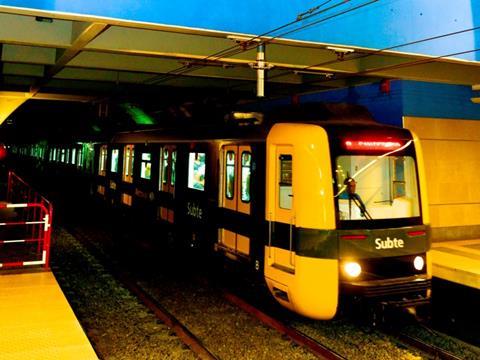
(371, 145)
(352, 269)
(418, 263)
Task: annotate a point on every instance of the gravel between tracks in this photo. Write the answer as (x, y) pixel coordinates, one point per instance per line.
(118, 326)
(121, 328)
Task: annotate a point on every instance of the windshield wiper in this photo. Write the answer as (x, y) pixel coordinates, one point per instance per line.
(357, 200)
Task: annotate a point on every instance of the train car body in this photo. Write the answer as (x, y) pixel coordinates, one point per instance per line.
(323, 207)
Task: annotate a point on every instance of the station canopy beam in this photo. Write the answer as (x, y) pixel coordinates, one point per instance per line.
(81, 58)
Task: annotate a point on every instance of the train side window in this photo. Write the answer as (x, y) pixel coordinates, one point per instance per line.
(165, 166)
(196, 171)
(62, 156)
(102, 165)
(146, 166)
(128, 163)
(246, 175)
(285, 188)
(230, 175)
(174, 163)
(114, 161)
(80, 157)
(73, 158)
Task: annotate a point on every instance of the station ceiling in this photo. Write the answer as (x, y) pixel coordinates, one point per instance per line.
(76, 58)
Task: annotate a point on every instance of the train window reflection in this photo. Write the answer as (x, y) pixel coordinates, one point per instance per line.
(246, 173)
(196, 171)
(371, 187)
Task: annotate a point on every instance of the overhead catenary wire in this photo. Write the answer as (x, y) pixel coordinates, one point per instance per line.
(377, 52)
(251, 43)
(392, 67)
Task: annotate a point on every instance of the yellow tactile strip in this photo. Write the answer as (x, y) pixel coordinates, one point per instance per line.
(457, 261)
(37, 321)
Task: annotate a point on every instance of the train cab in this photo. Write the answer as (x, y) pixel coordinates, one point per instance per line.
(347, 214)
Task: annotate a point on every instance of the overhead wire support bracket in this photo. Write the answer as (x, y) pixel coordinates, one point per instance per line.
(261, 66)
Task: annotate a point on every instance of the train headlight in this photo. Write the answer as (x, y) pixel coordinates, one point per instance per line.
(418, 263)
(352, 269)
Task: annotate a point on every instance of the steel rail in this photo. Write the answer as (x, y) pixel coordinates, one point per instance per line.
(430, 349)
(318, 349)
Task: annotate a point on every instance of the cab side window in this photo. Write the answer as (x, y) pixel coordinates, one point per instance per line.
(285, 188)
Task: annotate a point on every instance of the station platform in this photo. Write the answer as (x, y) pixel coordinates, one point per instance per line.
(457, 261)
(37, 321)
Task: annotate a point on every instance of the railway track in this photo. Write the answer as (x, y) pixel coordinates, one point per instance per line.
(318, 349)
(433, 351)
(195, 344)
(185, 335)
(323, 352)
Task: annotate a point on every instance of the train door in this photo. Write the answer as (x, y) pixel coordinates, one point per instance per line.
(127, 174)
(166, 185)
(102, 169)
(281, 247)
(235, 196)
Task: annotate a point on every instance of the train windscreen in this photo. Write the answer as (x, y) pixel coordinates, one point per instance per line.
(376, 187)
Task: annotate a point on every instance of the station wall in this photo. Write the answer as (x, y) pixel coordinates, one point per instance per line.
(451, 149)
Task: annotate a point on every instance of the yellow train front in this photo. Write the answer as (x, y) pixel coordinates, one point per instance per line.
(347, 215)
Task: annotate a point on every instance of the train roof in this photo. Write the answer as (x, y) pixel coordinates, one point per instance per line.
(335, 118)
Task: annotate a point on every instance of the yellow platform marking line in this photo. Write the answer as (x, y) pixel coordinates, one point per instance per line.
(37, 321)
(456, 268)
(456, 243)
(462, 249)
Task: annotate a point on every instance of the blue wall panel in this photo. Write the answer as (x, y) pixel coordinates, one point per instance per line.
(438, 100)
(385, 107)
(381, 24)
(405, 98)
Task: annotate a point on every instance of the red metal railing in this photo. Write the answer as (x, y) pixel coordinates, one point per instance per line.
(25, 226)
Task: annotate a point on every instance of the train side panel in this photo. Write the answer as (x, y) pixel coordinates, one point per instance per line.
(299, 198)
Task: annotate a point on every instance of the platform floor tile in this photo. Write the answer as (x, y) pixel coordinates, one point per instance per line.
(37, 321)
(457, 261)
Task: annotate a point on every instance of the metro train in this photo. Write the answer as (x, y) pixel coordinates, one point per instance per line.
(323, 202)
